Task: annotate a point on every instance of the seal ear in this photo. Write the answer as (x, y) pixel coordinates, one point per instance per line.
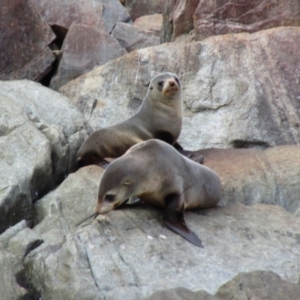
(174, 220)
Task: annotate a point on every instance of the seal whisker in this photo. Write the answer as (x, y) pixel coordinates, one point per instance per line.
(94, 215)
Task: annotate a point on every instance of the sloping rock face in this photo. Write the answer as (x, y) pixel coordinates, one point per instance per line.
(132, 38)
(258, 176)
(41, 132)
(24, 37)
(246, 95)
(222, 17)
(62, 14)
(126, 253)
(84, 48)
(252, 285)
(137, 8)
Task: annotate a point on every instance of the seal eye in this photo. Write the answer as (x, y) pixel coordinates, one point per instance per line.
(160, 83)
(110, 197)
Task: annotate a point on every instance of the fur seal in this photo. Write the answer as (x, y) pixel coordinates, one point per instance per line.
(159, 117)
(156, 173)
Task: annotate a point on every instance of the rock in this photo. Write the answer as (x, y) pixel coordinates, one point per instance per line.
(241, 97)
(84, 48)
(223, 17)
(23, 242)
(11, 232)
(150, 22)
(258, 285)
(10, 268)
(61, 14)
(134, 247)
(132, 38)
(138, 8)
(253, 285)
(24, 51)
(252, 176)
(41, 132)
(114, 12)
(63, 208)
(182, 17)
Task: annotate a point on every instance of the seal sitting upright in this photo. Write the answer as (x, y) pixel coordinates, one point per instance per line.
(156, 173)
(159, 117)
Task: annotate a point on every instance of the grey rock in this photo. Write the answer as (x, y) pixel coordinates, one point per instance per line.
(41, 132)
(214, 18)
(132, 38)
(67, 205)
(23, 242)
(144, 259)
(10, 269)
(114, 12)
(258, 285)
(24, 52)
(150, 22)
(63, 13)
(251, 176)
(11, 232)
(85, 47)
(129, 253)
(237, 91)
(253, 285)
(138, 8)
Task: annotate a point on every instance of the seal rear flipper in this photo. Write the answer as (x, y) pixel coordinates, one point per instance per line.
(193, 155)
(174, 220)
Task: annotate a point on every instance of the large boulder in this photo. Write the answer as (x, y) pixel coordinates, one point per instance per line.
(237, 91)
(24, 37)
(61, 14)
(138, 8)
(132, 38)
(133, 245)
(41, 132)
(84, 48)
(222, 17)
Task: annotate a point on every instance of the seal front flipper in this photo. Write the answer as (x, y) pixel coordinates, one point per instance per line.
(174, 220)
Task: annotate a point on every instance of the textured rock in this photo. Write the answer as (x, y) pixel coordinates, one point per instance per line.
(41, 132)
(24, 51)
(237, 91)
(138, 8)
(23, 242)
(150, 22)
(10, 266)
(252, 176)
(84, 48)
(132, 38)
(182, 17)
(64, 207)
(252, 285)
(62, 13)
(133, 246)
(11, 232)
(222, 17)
(114, 12)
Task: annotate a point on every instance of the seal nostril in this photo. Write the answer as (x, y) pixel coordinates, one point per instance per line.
(172, 83)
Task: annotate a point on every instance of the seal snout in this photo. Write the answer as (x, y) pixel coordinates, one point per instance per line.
(171, 87)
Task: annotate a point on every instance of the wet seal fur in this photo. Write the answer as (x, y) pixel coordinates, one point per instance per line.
(156, 173)
(159, 117)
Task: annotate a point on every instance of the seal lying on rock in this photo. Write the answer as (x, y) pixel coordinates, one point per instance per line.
(160, 117)
(156, 173)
